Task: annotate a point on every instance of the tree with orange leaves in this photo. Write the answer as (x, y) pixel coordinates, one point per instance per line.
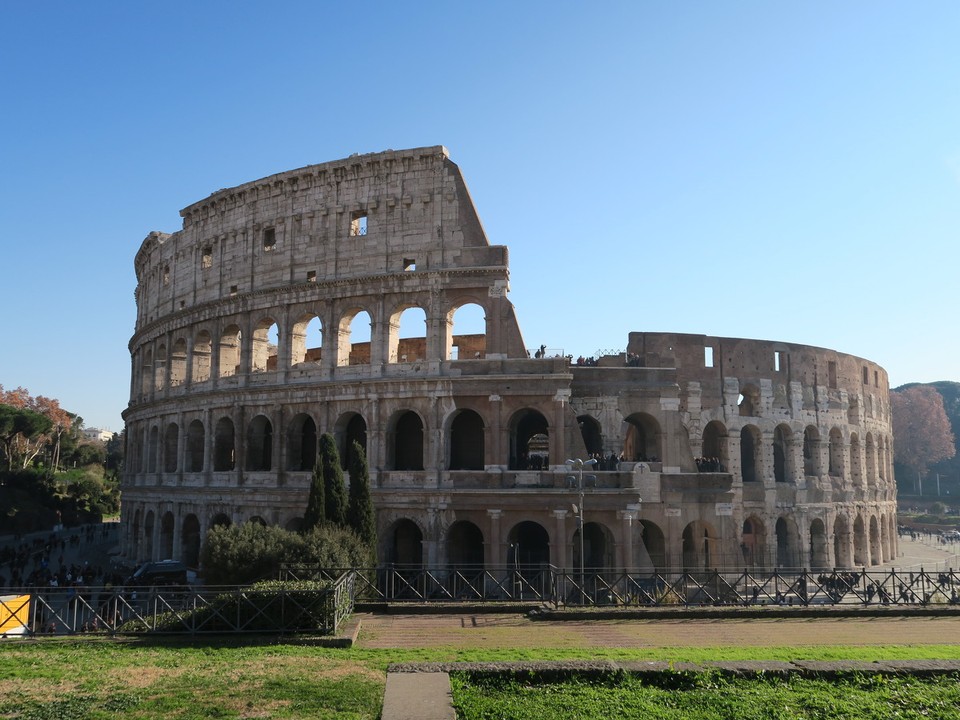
(921, 429)
(28, 424)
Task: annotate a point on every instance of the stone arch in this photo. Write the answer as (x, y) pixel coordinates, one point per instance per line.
(860, 545)
(171, 441)
(876, 547)
(701, 547)
(788, 543)
(653, 550)
(160, 368)
(220, 520)
(224, 446)
(148, 525)
(841, 543)
(591, 434)
(350, 427)
(405, 544)
(265, 346)
(257, 520)
(259, 444)
(201, 357)
(196, 443)
(190, 541)
(529, 546)
(294, 524)
(178, 363)
(856, 468)
(301, 443)
(465, 546)
(819, 555)
(641, 441)
(306, 340)
(153, 449)
(598, 547)
(753, 543)
(714, 443)
(354, 332)
(466, 441)
(405, 441)
(783, 461)
(146, 371)
(811, 451)
(748, 402)
(408, 335)
(469, 332)
(750, 453)
(230, 341)
(167, 524)
(836, 453)
(525, 426)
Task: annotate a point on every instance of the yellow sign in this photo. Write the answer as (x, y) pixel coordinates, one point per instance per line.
(14, 614)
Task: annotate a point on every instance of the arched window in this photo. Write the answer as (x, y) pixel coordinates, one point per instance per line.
(408, 442)
(354, 342)
(259, 444)
(642, 439)
(160, 370)
(196, 437)
(811, 451)
(171, 440)
(749, 453)
(469, 334)
(466, 441)
(178, 363)
(224, 448)
(266, 341)
(230, 351)
(202, 349)
(529, 441)
(307, 340)
(408, 335)
(302, 443)
(590, 432)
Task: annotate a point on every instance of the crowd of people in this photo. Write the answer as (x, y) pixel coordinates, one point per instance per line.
(58, 559)
(709, 464)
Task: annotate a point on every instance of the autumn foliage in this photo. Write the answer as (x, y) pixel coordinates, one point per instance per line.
(921, 430)
(28, 424)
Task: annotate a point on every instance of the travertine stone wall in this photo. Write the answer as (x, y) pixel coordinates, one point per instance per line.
(714, 452)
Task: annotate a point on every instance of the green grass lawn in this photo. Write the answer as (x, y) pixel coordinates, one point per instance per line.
(90, 678)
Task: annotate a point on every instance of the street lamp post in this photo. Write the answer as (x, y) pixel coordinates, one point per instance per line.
(578, 465)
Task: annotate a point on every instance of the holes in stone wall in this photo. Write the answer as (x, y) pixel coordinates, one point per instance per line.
(269, 239)
(206, 258)
(358, 224)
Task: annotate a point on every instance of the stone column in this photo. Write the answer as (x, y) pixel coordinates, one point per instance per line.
(625, 546)
(495, 452)
(562, 543)
(495, 542)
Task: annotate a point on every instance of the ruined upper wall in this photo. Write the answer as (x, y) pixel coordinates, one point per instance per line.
(365, 215)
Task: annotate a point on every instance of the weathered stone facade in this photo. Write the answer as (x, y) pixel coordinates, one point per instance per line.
(244, 353)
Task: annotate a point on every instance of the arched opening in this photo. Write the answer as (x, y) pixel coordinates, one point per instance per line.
(748, 402)
(713, 447)
(841, 543)
(466, 441)
(171, 439)
(407, 445)
(641, 440)
(190, 541)
(700, 547)
(350, 428)
(160, 369)
(202, 352)
(835, 468)
(224, 452)
(592, 437)
(196, 439)
(135, 536)
(148, 525)
(788, 543)
(353, 347)
(469, 334)
(229, 352)
(146, 372)
(306, 340)
(266, 343)
(465, 546)
(876, 548)
(301, 443)
(811, 451)
(749, 453)
(294, 525)
(220, 520)
(153, 449)
(753, 543)
(782, 459)
(819, 558)
(529, 546)
(860, 557)
(408, 336)
(166, 536)
(597, 548)
(406, 549)
(178, 363)
(524, 426)
(257, 520)
(259, 444)
(653, 548)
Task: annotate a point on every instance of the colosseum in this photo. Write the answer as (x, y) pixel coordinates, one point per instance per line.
(274, 315)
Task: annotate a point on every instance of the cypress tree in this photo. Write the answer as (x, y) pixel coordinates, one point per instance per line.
(334, 491)
(360, 515)
(313, 517)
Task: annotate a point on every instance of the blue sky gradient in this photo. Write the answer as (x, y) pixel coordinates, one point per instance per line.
(788, 171)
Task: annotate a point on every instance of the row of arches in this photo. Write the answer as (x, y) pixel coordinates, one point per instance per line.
(353, 338)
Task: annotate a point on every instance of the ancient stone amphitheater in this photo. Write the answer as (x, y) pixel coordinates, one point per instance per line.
(274, 315)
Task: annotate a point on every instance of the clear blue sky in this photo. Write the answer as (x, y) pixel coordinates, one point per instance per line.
(788, 171)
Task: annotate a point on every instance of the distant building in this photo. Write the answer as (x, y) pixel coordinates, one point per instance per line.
(97, 435)
(710, 452)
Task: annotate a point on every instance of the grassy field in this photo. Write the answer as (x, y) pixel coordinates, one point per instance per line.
(53, 679)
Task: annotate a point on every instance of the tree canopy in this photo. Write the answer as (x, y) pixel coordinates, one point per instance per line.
(921, 430)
